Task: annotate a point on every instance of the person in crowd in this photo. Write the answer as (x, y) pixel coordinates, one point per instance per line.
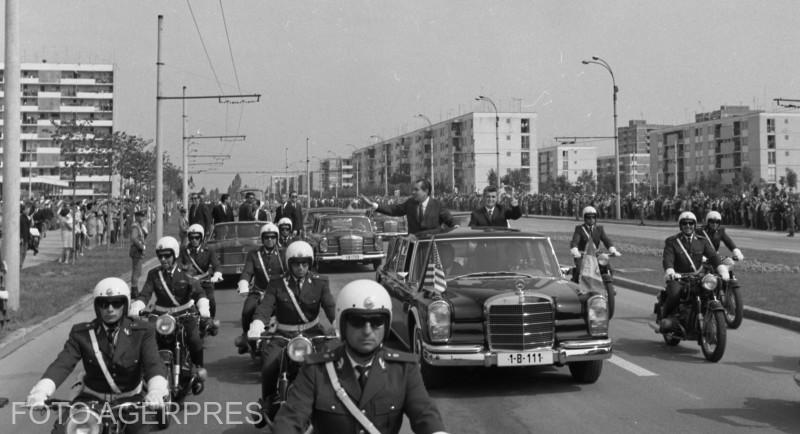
(423, 213)
(136, 251)
(183, 227)
(223, 212)
(24, 231)
(199, 213)
(290, 208)
(492, 213)
(247, 210)
(120, 358)
(66, 223)
(368, 372)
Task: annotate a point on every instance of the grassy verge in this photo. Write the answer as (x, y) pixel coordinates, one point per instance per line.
(768, 279)
(47, 289)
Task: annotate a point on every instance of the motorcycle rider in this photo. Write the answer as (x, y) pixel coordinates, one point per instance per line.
(295, 300)
(262, 266)
(128, 354)
(201, 262)
(383, 383)
(285, 229)
(580, 237)
(715, 234)
(175, 291)
(683, 253)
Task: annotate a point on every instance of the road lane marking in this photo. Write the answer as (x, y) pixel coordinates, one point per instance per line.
(631, 367)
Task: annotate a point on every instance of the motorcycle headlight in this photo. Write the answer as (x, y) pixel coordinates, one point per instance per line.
(378, 242)
(602, 259)
(82, 420)
(299, 347)
(439, 321)
(597, 315)
(709, 282)
(165, 324)
(323, 245)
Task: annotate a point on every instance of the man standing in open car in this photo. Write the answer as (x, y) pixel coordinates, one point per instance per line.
(360, 386)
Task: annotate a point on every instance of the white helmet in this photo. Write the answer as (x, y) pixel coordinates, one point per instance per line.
(713, 215)
(299, 250)
(269, 228)
(112, 287)
(196, 229)
(168, 243)
(285, 221)
(362, 297)
(589, 210)
(687, 215)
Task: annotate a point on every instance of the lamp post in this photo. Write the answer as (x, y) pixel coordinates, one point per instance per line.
(430, 127)
(308, 178)
(496, 137)
(599, 61)
(385, 163)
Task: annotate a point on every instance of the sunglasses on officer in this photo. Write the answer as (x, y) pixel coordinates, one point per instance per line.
(714, 222)
(687, 223)
(359, 321)
(195, 237)
(164, 255)
(269, 237)
(105, 303)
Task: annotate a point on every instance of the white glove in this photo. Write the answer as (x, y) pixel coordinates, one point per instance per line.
(43, 389)
(157, 389)
(669, 274)
(575, 252)
(3, 294)
(722, 269)
(614, 252)
(256, 328)
(216, 277)
(136, 307)
(243, 287)
(737, 254)
(204, 307)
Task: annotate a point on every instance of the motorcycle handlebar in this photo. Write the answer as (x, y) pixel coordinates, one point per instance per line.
(55, 403)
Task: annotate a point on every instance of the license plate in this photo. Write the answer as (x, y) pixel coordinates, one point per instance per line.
(353, 257)
(527, 358)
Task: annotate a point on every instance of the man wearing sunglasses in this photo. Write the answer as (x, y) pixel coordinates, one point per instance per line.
(290, 208)
(261, 266)
(295, 300)
(588, 231)
(127, 355)
(683, 253)
(716, 235)
(381, 385)
(175, 291)
(285, 232)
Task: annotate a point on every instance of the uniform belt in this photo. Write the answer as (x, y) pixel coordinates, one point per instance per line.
(298, 327)
(161, 309)
(108, 397)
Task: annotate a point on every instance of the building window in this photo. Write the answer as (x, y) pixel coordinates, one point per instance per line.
(771, 157)
(525, 159)
(770, 174)
(771, 142)
(526, 142)
(737, 128)
(525, 125)
(770, 125)
(565, 165)
(508, 137)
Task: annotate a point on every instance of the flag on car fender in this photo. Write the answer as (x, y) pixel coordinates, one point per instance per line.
(435, 271)
(590, 270)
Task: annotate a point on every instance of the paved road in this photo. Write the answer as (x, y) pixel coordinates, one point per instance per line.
(645, 387)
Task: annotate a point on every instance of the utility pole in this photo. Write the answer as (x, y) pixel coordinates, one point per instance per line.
(11, 155)
(185, 151)
(286, 172)
(308, 178)
(159, 139)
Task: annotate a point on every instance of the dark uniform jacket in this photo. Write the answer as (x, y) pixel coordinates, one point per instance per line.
(138, 236)
(674, 257)
(135, 356)
(394, 387)
(579, 238)
(246, 212)
(183, 288)
(315, 293)
(435, 215)
(252, 266)
(500, 216)
(203, 257)
(716, 238)
(221, 215)
(293, 212)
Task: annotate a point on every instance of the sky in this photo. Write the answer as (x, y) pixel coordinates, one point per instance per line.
(338, 72)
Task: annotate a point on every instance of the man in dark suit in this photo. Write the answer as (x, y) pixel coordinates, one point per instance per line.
(422, 212)
(493, 214)
(199, 213)
(290, 208)
(223, 211)
(247, 209)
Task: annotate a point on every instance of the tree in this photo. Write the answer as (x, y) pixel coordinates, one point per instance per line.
(606, 183)
(586, 182)
(791, 179)
(491, 177)
(517, 179)
(78, 147)
(235, 187)
(747, 175)
(562, 184)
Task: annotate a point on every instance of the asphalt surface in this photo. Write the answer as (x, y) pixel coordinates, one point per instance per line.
(645, 387)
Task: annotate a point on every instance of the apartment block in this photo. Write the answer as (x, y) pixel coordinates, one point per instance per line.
(569, 161)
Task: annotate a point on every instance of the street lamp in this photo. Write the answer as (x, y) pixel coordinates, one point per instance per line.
(599, 61)
(385, 163)
(430, 127)
(496, 137)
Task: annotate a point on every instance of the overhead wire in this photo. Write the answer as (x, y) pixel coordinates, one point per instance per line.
(235, 74)
(205, 49)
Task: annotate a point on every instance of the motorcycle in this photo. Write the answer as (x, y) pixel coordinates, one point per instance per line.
(700, 315)
(96, 416)
(292, 356)
(208, 326)
(607, 273)
(730, 296)
(174, 352)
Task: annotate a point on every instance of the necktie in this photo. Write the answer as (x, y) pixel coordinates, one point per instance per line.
(420, 214)
(362, 375)
(110, 333)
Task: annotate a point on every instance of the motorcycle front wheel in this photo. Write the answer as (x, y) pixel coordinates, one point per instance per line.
(713, 338)
(734, 308)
